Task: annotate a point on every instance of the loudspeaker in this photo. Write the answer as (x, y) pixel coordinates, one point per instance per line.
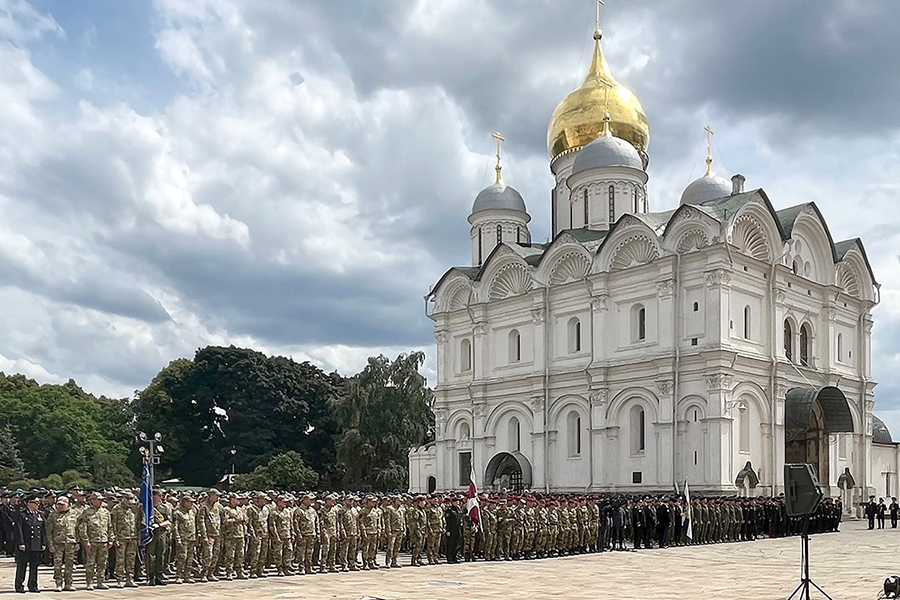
(802, 491)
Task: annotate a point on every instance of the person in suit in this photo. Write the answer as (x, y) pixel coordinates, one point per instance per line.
(31, 541)
(871, 510)
(895, 511)
(454, 519)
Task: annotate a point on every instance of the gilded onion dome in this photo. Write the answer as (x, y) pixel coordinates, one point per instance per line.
(578, 120)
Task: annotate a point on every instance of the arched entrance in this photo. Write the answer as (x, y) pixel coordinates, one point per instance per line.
(432, 484)
(508, 471)
(810, 416)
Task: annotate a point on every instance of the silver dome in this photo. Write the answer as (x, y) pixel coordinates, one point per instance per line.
(708, 187)
(607, 151)
(880, 433)
(498, 197)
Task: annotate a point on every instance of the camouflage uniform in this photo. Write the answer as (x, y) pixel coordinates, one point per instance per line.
(126, 521)
(369, 518)
(233, 540)
(61, 532)
(328, 535)
(209, 525)
(395, 528)
(282, 533)
(306, 525)
(434, 530)
(416, 521)
(350, 540)
(258, 526)
(185, 534)
(94, 528)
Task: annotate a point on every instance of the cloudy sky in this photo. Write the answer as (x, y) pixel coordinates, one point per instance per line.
(292, 175)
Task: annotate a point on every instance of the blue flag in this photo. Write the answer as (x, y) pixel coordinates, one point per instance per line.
(147, 504)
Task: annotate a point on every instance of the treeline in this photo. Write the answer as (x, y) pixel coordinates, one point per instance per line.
(278, 422)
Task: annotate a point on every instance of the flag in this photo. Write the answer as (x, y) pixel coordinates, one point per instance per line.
(147, 504)
(687, 511)
(472, 506)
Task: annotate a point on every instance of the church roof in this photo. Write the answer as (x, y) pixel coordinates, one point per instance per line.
(880, 433)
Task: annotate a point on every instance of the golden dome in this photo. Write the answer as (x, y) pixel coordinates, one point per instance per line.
(578, 120)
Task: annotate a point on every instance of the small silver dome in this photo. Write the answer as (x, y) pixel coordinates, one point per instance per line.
(498, 197)
(607, 151)
(880, 433)
(708, 187)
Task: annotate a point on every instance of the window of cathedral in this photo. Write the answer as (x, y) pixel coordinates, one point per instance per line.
(788, 341)
(747, 323)
(795, 268)
(840, 347)
(612, 204)
(499, 234)
(573, 426)
(637, 477)
(637, 207)
(464, 431)
(480, 253)
(515, 435)
(638, 430)
(586, 208)
(574, 335)
(465, 355)
(638, 323)
(842, 445)
(696, 307)
(804, 345)
(465, 468)
(515, 346)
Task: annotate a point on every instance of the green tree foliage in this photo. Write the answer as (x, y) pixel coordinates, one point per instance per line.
(238, 399)
(383, 412)
(60, 427)
(285, 471)
(11, 466)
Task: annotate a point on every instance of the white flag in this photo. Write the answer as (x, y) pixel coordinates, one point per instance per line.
(687, 511)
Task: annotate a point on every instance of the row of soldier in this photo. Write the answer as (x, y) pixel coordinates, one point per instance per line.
(211, 535)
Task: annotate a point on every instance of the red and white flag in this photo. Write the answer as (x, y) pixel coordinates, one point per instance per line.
(472, 506)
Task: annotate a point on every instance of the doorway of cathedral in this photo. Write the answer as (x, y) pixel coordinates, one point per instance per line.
(810, 446)
(508, 472)
(811, 416)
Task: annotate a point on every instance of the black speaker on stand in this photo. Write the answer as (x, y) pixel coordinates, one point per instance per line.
(802, 497)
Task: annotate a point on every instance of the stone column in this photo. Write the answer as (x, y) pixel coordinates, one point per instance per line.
(665, 449)
(721, 444)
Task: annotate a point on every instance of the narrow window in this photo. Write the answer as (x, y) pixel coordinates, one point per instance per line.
(574, 434)
(636, 206)
(695, 458)
(612, 204)
(696, 307)
(746, 322)
(480, 257)
(804, 345)
(638, 432)
(515, 435)
(499, 234)
(571, 215)
(518, 235)
(639, 323)
(795, 268)
(465, 354)
(696, 415)
(515, 346)
(574, 331)
(788, 341)
(840, 347)
(586, 211)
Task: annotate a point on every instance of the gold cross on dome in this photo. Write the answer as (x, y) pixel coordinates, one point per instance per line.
(500, 139)
(709, 158)
(598, 31)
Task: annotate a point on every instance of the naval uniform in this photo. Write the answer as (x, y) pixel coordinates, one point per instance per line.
(31, 541)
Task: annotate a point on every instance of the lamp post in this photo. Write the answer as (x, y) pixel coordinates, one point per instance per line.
(151, 451)
(233, 452)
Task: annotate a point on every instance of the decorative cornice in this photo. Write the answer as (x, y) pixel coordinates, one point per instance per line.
(537, 315)
(480, 328)
(719, 382)
(537, 403)
(719, 277)
(599, 397)
(665, 288)
(664, 386)
(599, 303)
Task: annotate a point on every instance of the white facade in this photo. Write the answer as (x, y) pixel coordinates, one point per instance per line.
(640, 349)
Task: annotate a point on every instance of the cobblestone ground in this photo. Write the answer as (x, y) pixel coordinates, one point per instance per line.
(848, 565)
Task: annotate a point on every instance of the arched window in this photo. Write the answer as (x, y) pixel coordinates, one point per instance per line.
(573, 429)
(746, 322)
(612, 204)
(788, 341)
(465, 431)
(744, 427)
(638, 323)
(480, 253)
(518, 235)
(586, 210)
(840, 347)
(637, 208)
(795, 268)
(465, 355)
(574, 335)
(804, 345)
(515, 435)
(515, 346)
(572, 214)
(696, 307)
(696, 415)
(499, 234)
(638, 430)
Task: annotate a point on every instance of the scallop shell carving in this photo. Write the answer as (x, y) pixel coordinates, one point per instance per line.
(692, 240)
(846, 278)
(749, 237)
(458, 298)
(511, 280)
(570, 267)
(638, 250)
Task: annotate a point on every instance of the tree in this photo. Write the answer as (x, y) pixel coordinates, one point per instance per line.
(384, 411)
(285, 471)
(238, 399)
(11, 466)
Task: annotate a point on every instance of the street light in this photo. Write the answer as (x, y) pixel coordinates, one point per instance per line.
(233, 452)
(151, 451)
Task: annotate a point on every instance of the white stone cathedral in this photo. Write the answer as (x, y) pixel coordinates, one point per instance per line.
(641, 349)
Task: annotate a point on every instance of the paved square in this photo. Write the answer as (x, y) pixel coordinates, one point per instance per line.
(848, 565)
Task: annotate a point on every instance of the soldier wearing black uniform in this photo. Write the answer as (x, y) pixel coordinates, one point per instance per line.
(31, 541)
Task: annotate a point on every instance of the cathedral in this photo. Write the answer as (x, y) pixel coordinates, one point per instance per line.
(639, 350)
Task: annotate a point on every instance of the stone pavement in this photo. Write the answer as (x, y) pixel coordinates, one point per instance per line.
(848, 565)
